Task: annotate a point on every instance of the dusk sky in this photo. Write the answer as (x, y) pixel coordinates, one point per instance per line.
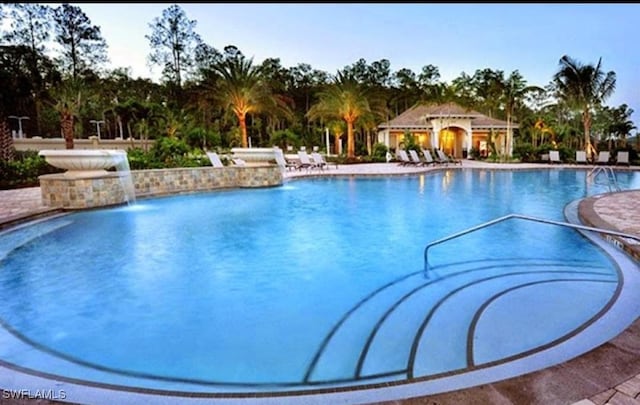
(530, 38)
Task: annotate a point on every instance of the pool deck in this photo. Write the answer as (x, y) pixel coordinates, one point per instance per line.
(609, 374)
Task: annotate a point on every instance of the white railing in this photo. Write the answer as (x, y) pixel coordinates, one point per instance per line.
(518, 216)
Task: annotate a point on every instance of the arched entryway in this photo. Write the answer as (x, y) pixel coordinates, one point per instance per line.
(451, 140)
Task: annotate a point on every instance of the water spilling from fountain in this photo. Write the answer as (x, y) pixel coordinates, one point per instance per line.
(126, 180)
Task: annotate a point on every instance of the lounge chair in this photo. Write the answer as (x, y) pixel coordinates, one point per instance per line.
(319, 160)
(554, 156)
(581, 157)
(428, 157)
(239, 162)
(305, 161)
(415, 158)
(282, 161)
(438, 158)
(444, 158)
(622, 158)
(404, 158)
(215, 159)
(603, 157)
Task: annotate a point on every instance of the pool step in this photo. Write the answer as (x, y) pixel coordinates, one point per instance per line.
(418, 326)
(21, 236)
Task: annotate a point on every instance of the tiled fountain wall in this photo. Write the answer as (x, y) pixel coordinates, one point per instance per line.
(82, 193)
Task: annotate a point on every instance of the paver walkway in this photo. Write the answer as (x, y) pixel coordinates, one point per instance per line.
(19, 202)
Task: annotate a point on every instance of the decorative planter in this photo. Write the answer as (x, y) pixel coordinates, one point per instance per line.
(88, 163)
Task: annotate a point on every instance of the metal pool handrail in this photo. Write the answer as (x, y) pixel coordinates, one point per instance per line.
(525, 217)
(612, 180)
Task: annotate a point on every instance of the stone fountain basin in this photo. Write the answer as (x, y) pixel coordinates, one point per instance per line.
(81, 163)
(254, 156)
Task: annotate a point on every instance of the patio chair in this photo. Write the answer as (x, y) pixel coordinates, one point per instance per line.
(554, 156)
(282, 161)
(438, 158)
(416, 159)
(404, 158)
(622, 158)
(215, 159)
(320, 160)
(305, 161)
(581, 157)
(443, 157)
(428, 159)
(603, 157)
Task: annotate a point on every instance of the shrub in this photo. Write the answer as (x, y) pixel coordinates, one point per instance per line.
(379, 152)
(474, 153)
(169, 151)
(567, 154)
(525, 152)
(284, 138)
(24, 170)
(140, 160)
(410, 142)
(201, 138)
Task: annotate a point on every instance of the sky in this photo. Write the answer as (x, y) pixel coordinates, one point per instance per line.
(530, 38)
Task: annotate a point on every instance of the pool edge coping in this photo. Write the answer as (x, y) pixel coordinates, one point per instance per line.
(585, 211)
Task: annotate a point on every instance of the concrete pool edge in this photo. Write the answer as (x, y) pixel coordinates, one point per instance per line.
(589, 216)
(601, 372)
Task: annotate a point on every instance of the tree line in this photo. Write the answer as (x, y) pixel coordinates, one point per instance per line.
(52, 70)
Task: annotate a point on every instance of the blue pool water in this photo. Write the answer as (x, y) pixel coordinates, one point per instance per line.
(317, 283)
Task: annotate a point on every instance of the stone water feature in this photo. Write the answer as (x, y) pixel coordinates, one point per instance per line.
(254, 156)
(86, 182)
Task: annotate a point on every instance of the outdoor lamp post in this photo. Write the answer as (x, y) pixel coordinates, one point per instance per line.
(97, 125)
(19, 123)
(326, 133)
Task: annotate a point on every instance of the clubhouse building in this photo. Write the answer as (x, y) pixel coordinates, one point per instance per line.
(449, 127)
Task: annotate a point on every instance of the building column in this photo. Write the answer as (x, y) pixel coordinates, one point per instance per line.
(383, 137)
(435, 142)
(510, 146)
(468, 141)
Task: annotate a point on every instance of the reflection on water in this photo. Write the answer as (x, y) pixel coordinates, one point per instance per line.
(446, 180)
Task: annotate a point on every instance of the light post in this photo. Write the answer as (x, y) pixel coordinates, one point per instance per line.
(19, 123)
(97, 125)
(327, 141)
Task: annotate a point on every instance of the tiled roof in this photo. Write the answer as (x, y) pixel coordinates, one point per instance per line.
(419, 116)
(485, 122)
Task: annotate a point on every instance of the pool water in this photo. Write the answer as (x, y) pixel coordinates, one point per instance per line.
(314, 284)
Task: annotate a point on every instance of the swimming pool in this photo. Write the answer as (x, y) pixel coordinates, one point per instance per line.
(316, 284)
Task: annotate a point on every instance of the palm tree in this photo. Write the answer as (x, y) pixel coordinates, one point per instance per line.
(514, 90)
(242, 88)
(7, 150)
(69, 98)
(343, 99)
(584, 87)
(337, 127)
(622, 124)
